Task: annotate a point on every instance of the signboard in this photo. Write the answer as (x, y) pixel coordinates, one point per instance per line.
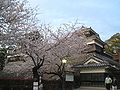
(35, 88)
(35, 85)
(69, 77)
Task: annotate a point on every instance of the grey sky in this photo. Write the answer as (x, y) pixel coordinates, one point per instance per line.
(102, 15)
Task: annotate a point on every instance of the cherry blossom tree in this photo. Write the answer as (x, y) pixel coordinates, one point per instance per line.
(69, 45)
(46, 47)
(16, 18)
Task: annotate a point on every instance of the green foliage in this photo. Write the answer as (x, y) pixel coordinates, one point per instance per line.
(3, 55)
(113, 44)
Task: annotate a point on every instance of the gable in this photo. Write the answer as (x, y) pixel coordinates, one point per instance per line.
(92, 61)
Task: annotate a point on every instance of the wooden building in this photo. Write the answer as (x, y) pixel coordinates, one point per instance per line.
(16, 76)
(93, 70)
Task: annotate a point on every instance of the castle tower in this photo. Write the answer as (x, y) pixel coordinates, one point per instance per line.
(93, 40)
(98, 64)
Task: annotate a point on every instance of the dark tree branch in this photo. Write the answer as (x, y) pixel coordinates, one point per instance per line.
(31, 58)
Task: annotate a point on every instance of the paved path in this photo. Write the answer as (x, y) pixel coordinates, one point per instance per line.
(91, 88)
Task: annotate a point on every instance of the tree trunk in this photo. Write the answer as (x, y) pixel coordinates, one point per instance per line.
(35, 74)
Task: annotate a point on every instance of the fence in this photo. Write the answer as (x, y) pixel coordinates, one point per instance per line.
(56, 85)
(27, 84)
(15, 84)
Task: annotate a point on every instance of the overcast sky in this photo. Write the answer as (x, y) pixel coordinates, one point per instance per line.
(102, 15)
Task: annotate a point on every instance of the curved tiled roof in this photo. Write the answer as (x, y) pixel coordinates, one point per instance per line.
(17, 69)
(103, 58)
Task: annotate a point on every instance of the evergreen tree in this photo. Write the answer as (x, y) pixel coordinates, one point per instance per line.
(113, 44)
